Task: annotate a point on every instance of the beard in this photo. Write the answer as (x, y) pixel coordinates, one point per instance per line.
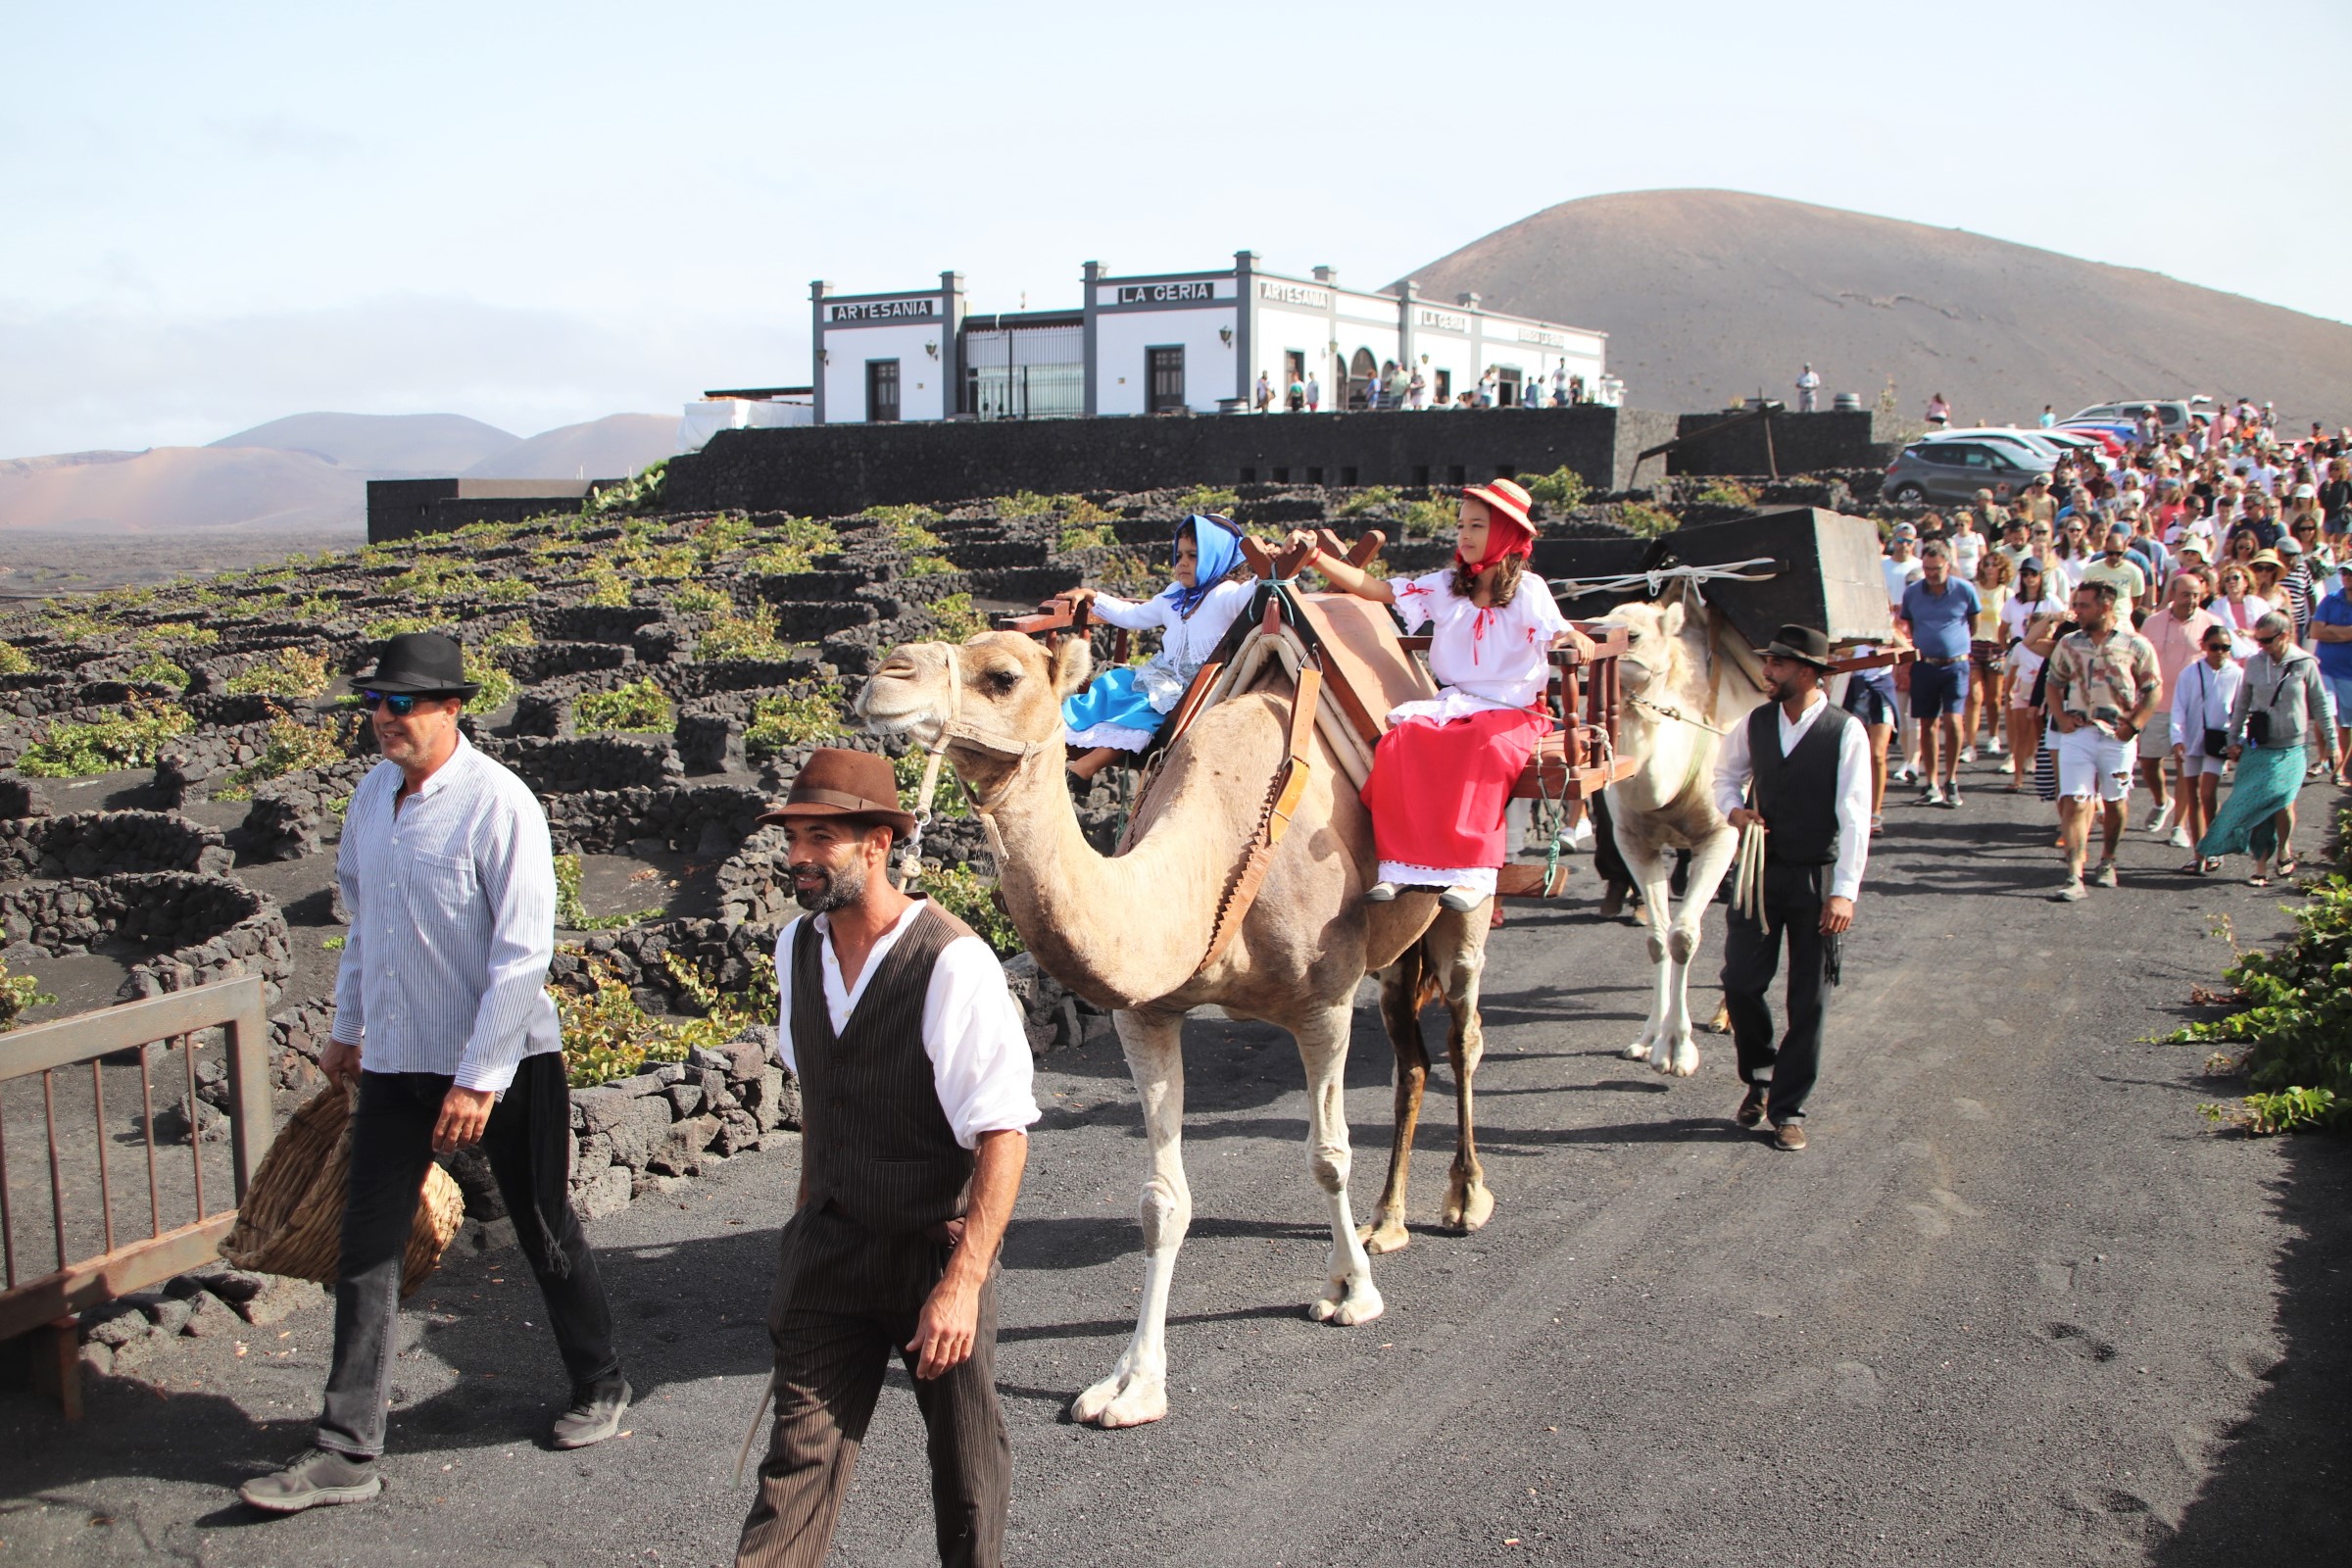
(1782, 690)
(835, 889)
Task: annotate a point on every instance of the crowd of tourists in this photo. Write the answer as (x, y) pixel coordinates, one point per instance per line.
(2173, 617)
(1416, 387)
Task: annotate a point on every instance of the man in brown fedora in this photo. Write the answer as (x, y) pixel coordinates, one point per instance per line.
(442, 1019)
(915, 1096)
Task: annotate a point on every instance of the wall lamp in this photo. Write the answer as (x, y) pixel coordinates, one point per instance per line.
(1225, 335)
(931, 349)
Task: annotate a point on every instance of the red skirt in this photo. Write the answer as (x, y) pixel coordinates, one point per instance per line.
(1438, 791)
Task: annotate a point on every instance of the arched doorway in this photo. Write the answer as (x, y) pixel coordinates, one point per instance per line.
(1362, 370)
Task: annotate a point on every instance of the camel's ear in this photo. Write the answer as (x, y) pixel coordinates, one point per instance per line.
(1670, 624)
(1073, 664)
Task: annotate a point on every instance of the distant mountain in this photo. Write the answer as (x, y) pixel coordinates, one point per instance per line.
(168, 489)
(610, 448)
(1707, 295)
(381, 445)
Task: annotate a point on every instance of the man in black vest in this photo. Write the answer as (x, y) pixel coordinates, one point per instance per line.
(1798, 772)
(915, 1092)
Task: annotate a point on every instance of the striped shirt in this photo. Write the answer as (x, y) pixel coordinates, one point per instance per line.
(452, 922)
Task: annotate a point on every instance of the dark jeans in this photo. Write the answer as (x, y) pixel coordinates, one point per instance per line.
(846, 1300)
(391, 1144)
(1751, 955)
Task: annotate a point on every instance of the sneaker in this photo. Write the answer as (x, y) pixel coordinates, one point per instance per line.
(1995, 749)
(2158, 819)
(2008, 767)
(593, 1418)
(320, 1477)
(1932, 797)
(1461, 901)
(1381, 893)
(2105, 875)
(1968, 754)
(1952, 796)
(1579, 837)
(1903, 773)
(1878, 824)
(2071, 891)
(2181, 839)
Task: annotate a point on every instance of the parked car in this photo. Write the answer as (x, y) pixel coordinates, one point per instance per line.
(2042, 445)
(1952, 471)
(2172, 412)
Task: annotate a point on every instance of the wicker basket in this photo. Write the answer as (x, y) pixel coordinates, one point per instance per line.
(291, 1221)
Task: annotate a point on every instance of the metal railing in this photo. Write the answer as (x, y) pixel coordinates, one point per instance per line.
(78, 1283)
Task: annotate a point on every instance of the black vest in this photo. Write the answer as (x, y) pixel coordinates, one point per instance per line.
(875, 1141)
(1797, 794)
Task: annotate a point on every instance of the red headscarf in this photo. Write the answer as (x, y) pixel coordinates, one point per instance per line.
(1509, 532)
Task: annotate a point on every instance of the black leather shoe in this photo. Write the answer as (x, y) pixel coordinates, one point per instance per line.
(1751, 1109)
(318, 1478)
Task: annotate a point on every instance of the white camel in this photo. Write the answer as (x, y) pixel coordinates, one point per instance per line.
(1675, 708)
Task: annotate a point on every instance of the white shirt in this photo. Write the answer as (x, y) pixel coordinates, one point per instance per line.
(1900, 575)
(1734, 768)
(453, 923)
(972, 1032)
(2201, 700)
(1494, 657)
(1184, 645)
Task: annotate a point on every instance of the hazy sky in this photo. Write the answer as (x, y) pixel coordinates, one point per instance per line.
(540, 214)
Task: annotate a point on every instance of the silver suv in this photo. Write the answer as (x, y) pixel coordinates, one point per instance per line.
(2171, 412)
(1952, 471)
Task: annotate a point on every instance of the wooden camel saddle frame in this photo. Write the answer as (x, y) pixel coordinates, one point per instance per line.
(1347, 650)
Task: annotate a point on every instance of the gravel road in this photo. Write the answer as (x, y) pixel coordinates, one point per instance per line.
(2017, 1305)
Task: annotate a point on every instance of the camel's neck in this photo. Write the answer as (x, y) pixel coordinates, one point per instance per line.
(1120, 931)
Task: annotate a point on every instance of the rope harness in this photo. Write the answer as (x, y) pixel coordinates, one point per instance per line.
(954, 728)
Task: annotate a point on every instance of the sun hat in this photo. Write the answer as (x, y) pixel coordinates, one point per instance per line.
(1801, 643)
(2304, 492)
(1508, 503)
(838, 782)
(2287, 545)
(419, 664)
(2267, 558)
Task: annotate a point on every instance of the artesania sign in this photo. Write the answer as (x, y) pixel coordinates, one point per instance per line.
(1165, 293)
(1293, 294)
(884, 309)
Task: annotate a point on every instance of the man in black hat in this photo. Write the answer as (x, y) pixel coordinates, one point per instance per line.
(915, 1099)
(443, 1025)
(1797, 771)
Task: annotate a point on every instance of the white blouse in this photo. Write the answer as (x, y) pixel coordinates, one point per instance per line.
(1186, 643)
(1496, 658)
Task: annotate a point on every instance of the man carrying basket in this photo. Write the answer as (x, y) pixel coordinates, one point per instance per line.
(451, 884)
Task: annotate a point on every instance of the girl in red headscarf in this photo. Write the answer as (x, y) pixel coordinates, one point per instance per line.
(1442, 776)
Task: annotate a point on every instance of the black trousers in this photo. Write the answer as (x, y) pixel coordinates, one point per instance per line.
(1751, 955)
(391, 1144)
(846, 1301)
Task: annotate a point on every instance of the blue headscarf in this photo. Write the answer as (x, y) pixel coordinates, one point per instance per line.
(1220, 545)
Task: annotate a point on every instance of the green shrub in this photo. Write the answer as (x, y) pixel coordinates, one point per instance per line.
(174, 632)
(793, 547)
(729, 531)
(2295, 1014)
(1372, 498)
(288, 672)
(695, 600)
(134, 739)
(398, 626)
(930, 566)
(573, 916)
(497, 685)
(514, 634)
(906, 527)
(18, 993)
(606, 586)
(1727, 493)
(947, 795)
(640, 707)
(293, 745)
(1562, 487)
(956, 618)
(608, 1036)
(1100, 536)
(14, 661)
(1208, 498)
(783, 721)
(733, 636)
(970, 896)
(1642, 518)
(640, 492)
(1428, 519)
(162, 671)
(503, 590)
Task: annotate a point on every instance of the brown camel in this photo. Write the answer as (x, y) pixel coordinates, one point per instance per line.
(1128, 933)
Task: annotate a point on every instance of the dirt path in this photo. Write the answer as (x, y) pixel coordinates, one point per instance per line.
(2018, 1303)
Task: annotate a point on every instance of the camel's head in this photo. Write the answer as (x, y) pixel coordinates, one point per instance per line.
(997, 696)
(1656, 661)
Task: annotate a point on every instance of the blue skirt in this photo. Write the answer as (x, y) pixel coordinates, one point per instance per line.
(1113, 700)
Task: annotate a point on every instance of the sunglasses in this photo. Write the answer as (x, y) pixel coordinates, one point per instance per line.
(402, 704)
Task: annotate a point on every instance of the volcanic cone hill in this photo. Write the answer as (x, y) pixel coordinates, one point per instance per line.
(1707, 295)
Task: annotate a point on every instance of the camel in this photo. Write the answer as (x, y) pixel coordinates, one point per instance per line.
(1670, 720)
(1129, 932)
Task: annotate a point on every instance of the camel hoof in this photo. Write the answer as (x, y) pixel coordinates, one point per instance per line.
(1346, 1308)
(1475, 1207)
(1389, 1235)
(1638, 1051)
(1681, 1061)
(1128, 1399)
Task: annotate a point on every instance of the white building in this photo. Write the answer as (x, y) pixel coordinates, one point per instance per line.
(1178, 342)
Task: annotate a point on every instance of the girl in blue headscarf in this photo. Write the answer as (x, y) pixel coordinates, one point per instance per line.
(1124, 707)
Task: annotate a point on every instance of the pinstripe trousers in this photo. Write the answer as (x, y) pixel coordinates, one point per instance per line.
(846, 1300)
